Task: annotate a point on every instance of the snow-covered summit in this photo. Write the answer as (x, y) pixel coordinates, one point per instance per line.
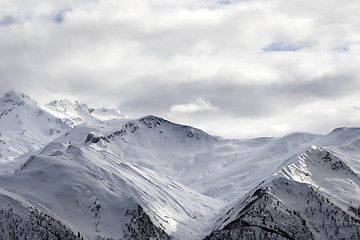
(314, 194)
(75, 113)
(25, 126)
(151, 178)
(107, 114)
(16, 98)
(70, 111)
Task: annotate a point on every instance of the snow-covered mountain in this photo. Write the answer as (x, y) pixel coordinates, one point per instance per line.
(100, 175)
(314, 197)
(25, 126)
(74, 113)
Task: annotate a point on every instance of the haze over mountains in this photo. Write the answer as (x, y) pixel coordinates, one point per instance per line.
(69, 172)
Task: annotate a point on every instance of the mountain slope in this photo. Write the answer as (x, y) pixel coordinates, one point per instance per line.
(25, 126)
(100, 189)
(101, 175)
(315, 197)
(73, 192)
(19, 220)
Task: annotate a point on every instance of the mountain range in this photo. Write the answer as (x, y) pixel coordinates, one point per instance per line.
(68, 171)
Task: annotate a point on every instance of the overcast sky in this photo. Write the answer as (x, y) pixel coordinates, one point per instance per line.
(240, 69)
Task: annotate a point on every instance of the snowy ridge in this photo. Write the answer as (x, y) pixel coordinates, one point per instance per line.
(74, 172)
(315, 197)
(25, 126)
(287, 209)
(329, 172)
(75, 113)
(71, 111)
(100, 188)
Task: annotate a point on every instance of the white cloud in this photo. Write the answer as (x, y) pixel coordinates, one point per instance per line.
(199, 105)
(141, 55)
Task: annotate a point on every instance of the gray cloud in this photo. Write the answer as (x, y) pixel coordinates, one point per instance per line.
(239, 99)
(263, 62)
(7, 20)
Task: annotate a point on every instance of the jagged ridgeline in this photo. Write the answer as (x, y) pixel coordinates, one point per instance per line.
(69, 171)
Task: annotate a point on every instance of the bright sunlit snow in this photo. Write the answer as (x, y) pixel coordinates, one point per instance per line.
(104, 175)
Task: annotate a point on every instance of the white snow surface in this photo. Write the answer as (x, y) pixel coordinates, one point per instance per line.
(75, 113)
(66, 159)
(25, 126)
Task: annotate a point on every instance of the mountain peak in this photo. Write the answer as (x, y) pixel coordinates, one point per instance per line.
(13, 95)
(151, 118)
(121, 177)
(66, 104)
(12, 98)
(10, 93)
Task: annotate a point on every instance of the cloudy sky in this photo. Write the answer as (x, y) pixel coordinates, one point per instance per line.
(240, 69)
